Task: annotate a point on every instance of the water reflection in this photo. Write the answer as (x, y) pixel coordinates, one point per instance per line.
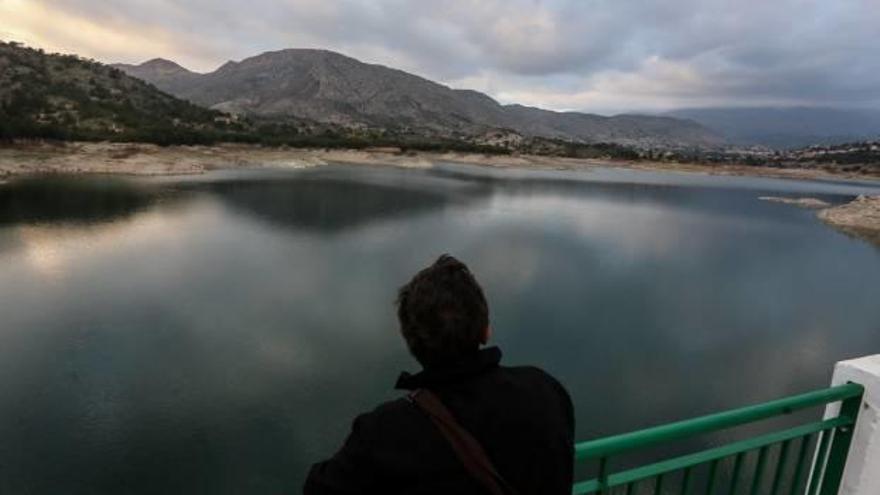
(219, 335)
(326, 205)
(70, 199)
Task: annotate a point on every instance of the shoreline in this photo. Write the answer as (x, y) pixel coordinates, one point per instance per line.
(148, 159)
(859, 218)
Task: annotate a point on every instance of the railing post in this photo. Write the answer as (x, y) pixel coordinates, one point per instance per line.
(602, 475)
(840, 444)
(861, 474)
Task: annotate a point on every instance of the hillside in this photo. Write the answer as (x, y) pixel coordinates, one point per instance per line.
(67, 97)
(328, 87)
(160, 72)
(643, 131)
(785, 128)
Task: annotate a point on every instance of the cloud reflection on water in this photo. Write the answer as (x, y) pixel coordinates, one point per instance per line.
(221, 338)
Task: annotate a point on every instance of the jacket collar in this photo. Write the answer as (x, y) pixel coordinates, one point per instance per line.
(474, 364)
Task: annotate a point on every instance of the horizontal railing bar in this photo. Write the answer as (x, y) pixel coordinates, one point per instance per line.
(712, 454)
(713, 422)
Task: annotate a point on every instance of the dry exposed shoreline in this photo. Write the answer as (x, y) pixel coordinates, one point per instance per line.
(860, 218)
(148, 159)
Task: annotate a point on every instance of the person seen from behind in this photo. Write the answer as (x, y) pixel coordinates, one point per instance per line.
(468, 425)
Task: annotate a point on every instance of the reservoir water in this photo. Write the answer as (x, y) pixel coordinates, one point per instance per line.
(217, 334)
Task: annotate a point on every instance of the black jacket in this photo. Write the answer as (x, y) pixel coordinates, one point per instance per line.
(522, 416)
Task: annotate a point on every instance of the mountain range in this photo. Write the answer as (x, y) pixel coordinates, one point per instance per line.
(66, 97)
(304, 97)
(791, 127)
(328, 87)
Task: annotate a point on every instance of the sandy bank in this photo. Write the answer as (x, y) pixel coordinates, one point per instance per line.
(802, 202)
(147, 159)
(860, 217)
(137, 159)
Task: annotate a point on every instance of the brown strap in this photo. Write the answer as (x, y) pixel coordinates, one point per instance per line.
(468, 449)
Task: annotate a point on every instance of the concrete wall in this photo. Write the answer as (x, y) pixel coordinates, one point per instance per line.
(862, 473)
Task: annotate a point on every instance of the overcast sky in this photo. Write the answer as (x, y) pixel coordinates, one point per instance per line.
(592, 55)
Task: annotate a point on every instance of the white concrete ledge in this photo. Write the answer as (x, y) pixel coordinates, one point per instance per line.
(862, 473)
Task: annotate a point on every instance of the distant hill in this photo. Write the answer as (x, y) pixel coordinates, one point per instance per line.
(67, 97)
(328, 87)
(787, 127)
(162, 73)
(646, 131)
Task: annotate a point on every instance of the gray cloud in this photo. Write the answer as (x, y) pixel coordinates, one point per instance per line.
(596, 55)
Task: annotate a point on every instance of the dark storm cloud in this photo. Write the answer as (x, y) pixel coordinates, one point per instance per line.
(586, 54)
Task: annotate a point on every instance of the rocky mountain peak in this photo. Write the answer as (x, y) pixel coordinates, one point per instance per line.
(329, 87)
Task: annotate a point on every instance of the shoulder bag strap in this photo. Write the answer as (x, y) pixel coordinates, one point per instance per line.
(466, 447)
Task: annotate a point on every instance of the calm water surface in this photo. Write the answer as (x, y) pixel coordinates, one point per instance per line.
(217, 334)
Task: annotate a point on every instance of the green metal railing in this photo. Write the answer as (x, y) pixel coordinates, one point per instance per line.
(773, 463)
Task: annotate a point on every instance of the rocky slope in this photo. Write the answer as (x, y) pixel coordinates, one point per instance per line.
(328, 87)
(67, 97)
